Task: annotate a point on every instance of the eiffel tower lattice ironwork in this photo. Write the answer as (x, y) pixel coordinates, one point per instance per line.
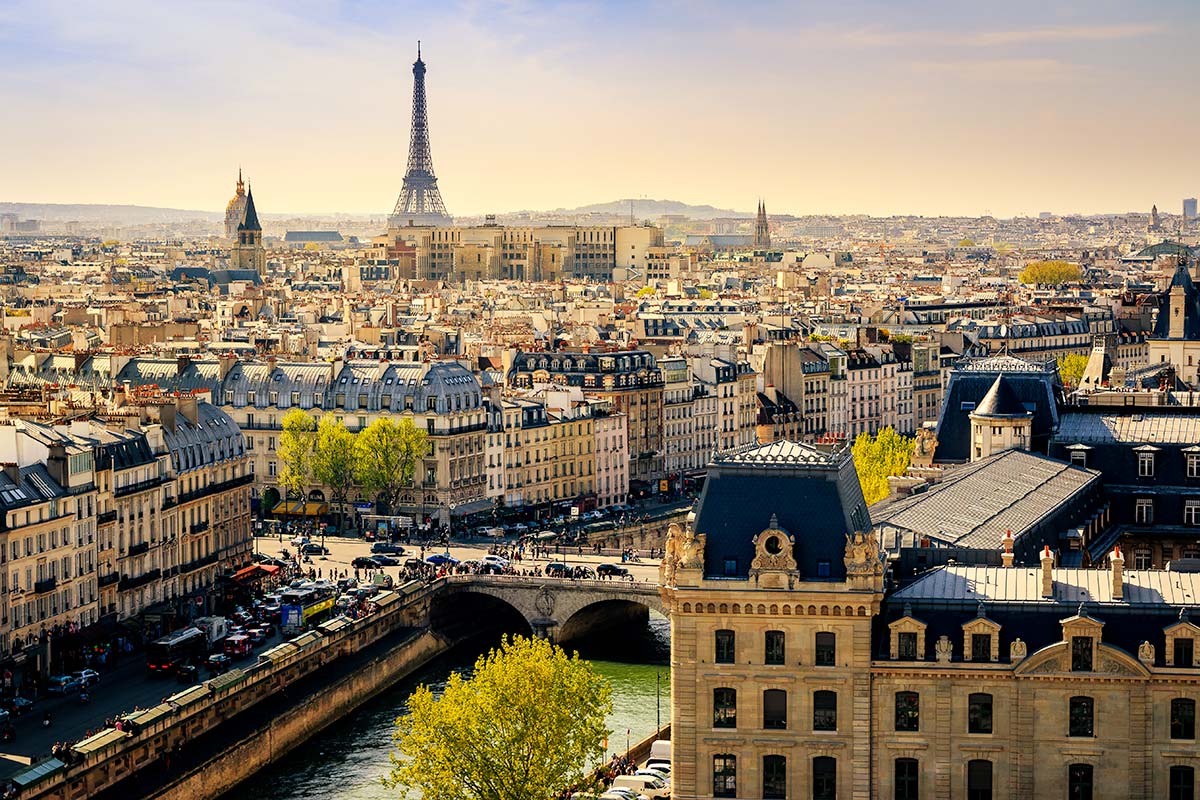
(420, 202)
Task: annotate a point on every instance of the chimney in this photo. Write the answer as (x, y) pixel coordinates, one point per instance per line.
(181, 364)
(1047, 574)
(1117, 561)
(12, 471)
(188, 408)
(1007, 541)
(225, 363)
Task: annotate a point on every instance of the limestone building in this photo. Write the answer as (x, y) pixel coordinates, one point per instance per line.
(799, 671)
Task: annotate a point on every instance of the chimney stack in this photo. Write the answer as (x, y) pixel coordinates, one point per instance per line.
(1118, 573)
(12, 471)
(1047, 572)
(1006, 557)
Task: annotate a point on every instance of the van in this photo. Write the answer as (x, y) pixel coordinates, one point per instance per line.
(660, 750)
(642, 784)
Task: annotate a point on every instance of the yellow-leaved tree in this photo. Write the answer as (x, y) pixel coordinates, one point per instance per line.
(1050, 273)
(1071, 367)
(877, 457)
(526, 725)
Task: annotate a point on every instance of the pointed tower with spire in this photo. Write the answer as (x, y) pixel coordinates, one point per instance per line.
(247, 251)
(762, 229)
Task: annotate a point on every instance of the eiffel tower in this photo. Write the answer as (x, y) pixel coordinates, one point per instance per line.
(420, 202)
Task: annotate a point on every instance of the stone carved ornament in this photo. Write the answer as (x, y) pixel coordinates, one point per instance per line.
(670, 560)
(943, 650)
(862, 554)
(773, 549)
(693, 551)
(1017, 650)
(1146, 653)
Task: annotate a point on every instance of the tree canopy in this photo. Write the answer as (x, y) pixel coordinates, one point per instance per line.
(878, 457)
(1071, 367)
(526, 725)
(1050, 273)
(333, 458)
(386, 456)
(295, 453)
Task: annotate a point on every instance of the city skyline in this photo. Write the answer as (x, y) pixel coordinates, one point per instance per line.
(1005, 111)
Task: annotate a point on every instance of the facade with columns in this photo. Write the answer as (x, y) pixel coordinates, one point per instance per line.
(799, 671)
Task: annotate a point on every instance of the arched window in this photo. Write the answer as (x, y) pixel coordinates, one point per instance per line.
(724, 708)
(774, 778)
(774, 647)
(1183, 718)
(824, 710)
(824, 778)
(724, 775)
(1079, 782)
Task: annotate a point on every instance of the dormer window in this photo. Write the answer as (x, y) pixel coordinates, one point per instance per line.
(1081, 654)
(1146, 465)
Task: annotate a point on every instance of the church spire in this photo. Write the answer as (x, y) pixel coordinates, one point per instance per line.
(762, 229)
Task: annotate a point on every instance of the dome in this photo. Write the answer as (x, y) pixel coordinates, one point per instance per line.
(235, 210)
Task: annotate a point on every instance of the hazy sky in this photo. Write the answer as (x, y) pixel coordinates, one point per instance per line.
(879, 107)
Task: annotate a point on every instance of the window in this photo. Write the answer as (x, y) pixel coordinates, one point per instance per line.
(906, 646)
(1145, 465)
(979, 713)
(1079, 458)
(908, 711)
(1182, 783)
(1079, 782)
(1193, 465)
(1081, 654)
(979, 780)
(824, 778)
(1143, 512)
(724, 645)
(823, 569)
(1183, 652)
(1080, 718)
(1183, 718)
(1142, 559)
(906, 779)
(826, 649)
(981, 647)
(1191, 512)
(775, 709)
(774, 778)
(724, 775)
(731, 569)
(824, 710)
(724, 708)
(774, 647)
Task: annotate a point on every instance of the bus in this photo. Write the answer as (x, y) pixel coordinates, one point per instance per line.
(174, 649)
(299, 607)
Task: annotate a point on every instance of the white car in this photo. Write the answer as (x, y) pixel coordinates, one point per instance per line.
(622, 794)
(655, 772)
(498, 561)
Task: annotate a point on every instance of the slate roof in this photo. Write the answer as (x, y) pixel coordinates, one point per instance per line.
(1129, 429)
(1148, 587)
(815, 496)
(976, 503)
(250, 221)
(1000, 401)
(1191, 307)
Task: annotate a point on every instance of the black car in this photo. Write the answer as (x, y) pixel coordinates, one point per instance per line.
(314, 549)
(557, 569)
(187, 673)
(387, 547)
(415, 563)
(612, 571)
(385, 561)
(364, 562)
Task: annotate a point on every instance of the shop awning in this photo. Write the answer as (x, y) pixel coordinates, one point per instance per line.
(299, 508)
(254, 572)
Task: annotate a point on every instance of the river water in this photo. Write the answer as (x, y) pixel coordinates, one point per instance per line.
(347, 760)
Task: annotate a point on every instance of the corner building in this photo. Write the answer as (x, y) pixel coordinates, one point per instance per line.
(797, 672)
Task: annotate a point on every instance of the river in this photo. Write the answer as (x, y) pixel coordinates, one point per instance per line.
(347, 759)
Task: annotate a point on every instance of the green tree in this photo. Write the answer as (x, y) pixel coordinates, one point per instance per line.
(1050, 273)
(333, 461)
(525, 726)
(878, 457)
(386, 456)
(296, 452)
(1071, 367)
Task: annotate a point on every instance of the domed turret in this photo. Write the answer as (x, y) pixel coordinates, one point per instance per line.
(235, 211)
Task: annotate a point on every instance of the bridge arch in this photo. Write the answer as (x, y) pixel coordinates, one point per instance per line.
(604, 615)
(465, 612)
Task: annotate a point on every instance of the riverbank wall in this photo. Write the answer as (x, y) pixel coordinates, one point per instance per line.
(290, 691)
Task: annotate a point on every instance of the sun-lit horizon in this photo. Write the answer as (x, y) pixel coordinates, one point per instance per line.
(915, 108)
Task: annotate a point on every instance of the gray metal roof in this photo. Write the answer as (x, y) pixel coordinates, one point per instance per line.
(1116, 428)
(976, 503)
(1150, 587)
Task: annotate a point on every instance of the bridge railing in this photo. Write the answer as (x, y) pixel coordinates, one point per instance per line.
(644, 584)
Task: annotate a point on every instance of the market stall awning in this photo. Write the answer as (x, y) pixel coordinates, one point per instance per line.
(300, 508)
(254, 572)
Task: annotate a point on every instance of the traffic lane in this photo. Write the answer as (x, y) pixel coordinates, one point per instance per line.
(343, 551)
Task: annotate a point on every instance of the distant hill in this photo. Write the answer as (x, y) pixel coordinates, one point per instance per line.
(649, 209)
(109, 214)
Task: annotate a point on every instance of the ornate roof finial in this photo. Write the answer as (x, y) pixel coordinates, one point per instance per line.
(774, 524)
(1081, 611)
(982, 612)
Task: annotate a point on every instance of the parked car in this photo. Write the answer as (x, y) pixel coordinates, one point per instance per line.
(19, 706)
(314, 549)
(612, 571)
(556, 569)
(499, 561)
(364, 562)
(63, 685)
(86, 677)
(385, 561)
(414, 563)
(440, 559)
(387, 547)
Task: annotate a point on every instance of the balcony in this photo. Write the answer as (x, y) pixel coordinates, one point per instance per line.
(132, 583)
(199, 563)
(106, 517)
(140, 486)
(109, 579)
(169, 502)
(216, 488)
(45, 585)
(199, 527)
(138, 549)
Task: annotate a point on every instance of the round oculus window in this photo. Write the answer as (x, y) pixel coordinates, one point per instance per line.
(773, 545)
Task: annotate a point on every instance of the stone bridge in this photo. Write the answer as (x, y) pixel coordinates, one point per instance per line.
(558, 609)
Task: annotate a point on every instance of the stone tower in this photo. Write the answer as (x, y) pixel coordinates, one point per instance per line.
(762, 229)
(247, 251)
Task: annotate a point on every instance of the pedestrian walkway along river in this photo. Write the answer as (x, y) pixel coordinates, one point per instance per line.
(347, 759)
